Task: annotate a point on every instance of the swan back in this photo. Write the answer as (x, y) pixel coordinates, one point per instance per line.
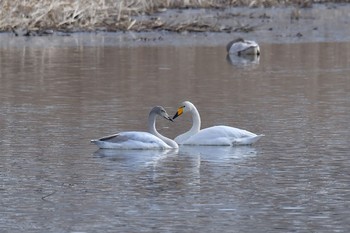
(131, 140)
(223, 136)
(139, 140)
(243, 47)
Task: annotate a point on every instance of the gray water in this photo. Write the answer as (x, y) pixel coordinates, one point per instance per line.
(55, 99)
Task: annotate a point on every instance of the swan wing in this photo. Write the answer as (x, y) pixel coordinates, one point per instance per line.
(130, 140)
(245, 47)
(223, 136)
(238, 47)
(180, 139)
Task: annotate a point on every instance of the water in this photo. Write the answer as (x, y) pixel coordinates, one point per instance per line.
(55, 99)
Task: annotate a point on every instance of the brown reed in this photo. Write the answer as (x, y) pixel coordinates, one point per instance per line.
(89, 15)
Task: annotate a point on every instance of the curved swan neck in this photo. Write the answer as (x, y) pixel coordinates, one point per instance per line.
(196, 124)
(152, 129)
(196, 120)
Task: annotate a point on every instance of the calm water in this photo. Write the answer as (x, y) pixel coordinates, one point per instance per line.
(55, 99)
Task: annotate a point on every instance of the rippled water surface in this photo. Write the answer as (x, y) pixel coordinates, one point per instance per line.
(55, 99)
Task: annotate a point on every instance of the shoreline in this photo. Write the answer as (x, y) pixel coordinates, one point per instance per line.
(207, 26)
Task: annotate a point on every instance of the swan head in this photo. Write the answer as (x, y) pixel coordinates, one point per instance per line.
(185, 106)
(159, 110)
(229, 45)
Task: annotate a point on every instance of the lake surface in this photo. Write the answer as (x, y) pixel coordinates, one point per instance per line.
(54, 99)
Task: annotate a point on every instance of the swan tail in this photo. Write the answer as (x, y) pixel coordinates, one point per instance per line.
(248, 140)
(105, 145)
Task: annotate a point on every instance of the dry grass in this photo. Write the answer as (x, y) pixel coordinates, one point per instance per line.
(85, 15)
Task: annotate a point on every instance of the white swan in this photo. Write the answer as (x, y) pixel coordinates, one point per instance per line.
(139, 140)
(243, 47)
(212, 136)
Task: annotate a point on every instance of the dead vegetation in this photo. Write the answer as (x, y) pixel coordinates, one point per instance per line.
(29, 17)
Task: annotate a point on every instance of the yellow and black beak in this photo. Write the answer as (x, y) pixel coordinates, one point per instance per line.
(179, 112)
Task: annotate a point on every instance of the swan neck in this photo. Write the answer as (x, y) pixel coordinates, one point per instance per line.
(152, 124)
(196, 120)
(152, 129)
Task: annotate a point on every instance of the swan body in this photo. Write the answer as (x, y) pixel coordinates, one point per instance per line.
(212, 136)
(131, 140)
(139, 140)
(222, 136)
(243, 47)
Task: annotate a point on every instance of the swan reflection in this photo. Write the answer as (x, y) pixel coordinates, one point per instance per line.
(135, 158)
(219, 153)
(246, 61)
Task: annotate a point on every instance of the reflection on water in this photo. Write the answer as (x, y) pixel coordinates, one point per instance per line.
(54, 100)
(247, 61)
(221, 154)
(135, 158)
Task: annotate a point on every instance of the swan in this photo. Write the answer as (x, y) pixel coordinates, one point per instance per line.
(139, 140)
(213, 136)
(243, 47)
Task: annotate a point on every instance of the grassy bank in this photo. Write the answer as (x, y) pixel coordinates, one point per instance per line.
(30, 16)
